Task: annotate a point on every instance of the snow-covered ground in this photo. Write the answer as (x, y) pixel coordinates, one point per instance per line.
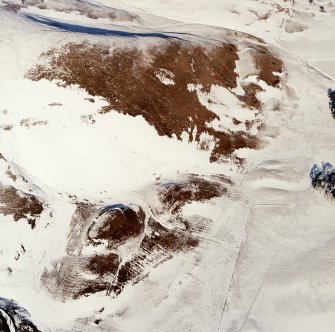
(266, 257)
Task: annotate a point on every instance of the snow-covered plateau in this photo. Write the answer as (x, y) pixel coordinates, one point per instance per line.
(154, 166)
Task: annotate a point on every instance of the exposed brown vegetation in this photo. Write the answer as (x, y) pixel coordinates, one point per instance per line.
(55, 104)
(66, 281)
(32, 122)
(128, 80)
(91, 288)
(117, 226)
(20, 205)
(250, 98)
(267, 65)
(103, 264)
(173, 241)
(174, 196)
(158, 246)
(114, 227)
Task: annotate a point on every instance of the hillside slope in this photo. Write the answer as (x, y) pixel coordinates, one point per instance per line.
(154, 166)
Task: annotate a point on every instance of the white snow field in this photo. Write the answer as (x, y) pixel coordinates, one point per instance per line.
(241, 243)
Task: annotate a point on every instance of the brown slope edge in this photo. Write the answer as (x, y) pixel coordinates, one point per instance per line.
(127, 79)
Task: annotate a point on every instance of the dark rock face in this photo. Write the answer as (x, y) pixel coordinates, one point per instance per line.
(12, 316)
(324, 178)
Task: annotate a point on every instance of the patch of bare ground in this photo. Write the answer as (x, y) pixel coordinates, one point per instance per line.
(32, 122)
(67, 280)
(6, 127)
(55, 104)
(159, 245)
(20, 205)
(127, 78)
(268, 65)
(89, 119)
(117, 226)
(175, 195)
(103, 264)
(10, 174)
(109, 228)
(249, 97)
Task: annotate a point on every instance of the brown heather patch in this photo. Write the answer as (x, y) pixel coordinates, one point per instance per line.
(250, 98)
(65, 280)
(108, 274)
(159, 245)
(20, 205)
(91, 288)
(226, 144)
(103, 264)
(127, 79)
(267, 64)
(175, 196)
(172, 241)
(117, 227)
(152, 245)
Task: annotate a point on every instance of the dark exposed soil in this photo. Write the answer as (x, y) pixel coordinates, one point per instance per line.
(267, 64)
(250, 98)
(104, 264)
(20, 205)
(127, 79)
(174, 196)
(158, 246)
(173, 241)
(117, 226)
(91, 288)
